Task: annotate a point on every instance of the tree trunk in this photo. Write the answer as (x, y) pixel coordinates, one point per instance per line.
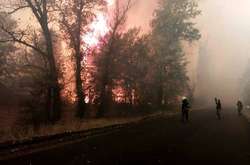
(81, 105)
(159, 96)
(54, 98)
(103, 102)
(104, 93)
(54, 103)
(160, 89)
(104, 96)
(106, 90)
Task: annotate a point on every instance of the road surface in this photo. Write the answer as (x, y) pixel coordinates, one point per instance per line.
(204, 140)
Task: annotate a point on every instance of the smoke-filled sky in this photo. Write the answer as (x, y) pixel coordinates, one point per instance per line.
(141, 13)
(225, 25)
(225, 28)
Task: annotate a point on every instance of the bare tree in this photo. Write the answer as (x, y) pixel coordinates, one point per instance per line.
(5, 47)
(40, 10)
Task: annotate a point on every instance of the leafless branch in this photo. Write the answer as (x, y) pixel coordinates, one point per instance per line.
(17, 9)
(14, 38)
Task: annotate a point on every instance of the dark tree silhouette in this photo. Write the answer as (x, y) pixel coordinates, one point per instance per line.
(40, 10)
(109, 48)
(172, 25)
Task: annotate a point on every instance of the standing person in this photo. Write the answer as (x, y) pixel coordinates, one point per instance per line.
(185, 109)
(218, 108)
(239, 107)
(215, 99)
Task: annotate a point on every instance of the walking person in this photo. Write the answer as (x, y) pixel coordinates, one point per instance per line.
(185, 110)
(218, 108)
(239, 107)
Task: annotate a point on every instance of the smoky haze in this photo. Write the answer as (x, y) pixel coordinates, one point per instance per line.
(218, 61)
(141, 14)
(223, 49)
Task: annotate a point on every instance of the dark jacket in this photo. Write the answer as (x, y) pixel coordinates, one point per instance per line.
(185, 105)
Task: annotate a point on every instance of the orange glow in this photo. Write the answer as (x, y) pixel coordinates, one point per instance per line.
(99, 27)
(110, 2)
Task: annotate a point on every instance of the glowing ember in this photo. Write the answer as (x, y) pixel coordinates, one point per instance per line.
(99, 27)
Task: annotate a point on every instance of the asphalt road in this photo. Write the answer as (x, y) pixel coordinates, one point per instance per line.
(204, 140)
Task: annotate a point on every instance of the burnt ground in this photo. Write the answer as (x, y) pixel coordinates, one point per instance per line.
(204, 140)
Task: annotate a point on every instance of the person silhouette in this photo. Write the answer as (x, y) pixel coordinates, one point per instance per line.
(185, 109)
(239, 107)
(218, 108)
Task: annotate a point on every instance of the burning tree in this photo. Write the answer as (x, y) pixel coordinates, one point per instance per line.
(107, 52)
(74, 18)
(129, 62)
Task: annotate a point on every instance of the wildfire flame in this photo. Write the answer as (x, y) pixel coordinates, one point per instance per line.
(99, 27)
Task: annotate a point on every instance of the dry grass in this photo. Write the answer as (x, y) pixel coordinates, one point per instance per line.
(21, 133)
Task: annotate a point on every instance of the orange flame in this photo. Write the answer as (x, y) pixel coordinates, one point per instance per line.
(99, 27)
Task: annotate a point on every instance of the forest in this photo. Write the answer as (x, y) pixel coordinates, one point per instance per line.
(52, 59)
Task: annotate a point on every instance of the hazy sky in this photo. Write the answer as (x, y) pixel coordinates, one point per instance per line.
(141, 13)
(225, 28)
(225, 25)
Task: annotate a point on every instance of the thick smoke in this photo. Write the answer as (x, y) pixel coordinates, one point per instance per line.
(141, 14)
(223, 49)
(218, 61)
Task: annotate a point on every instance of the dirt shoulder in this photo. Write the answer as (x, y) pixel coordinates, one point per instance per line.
(66, 134)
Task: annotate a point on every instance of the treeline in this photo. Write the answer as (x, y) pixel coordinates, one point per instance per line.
(138, 71)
